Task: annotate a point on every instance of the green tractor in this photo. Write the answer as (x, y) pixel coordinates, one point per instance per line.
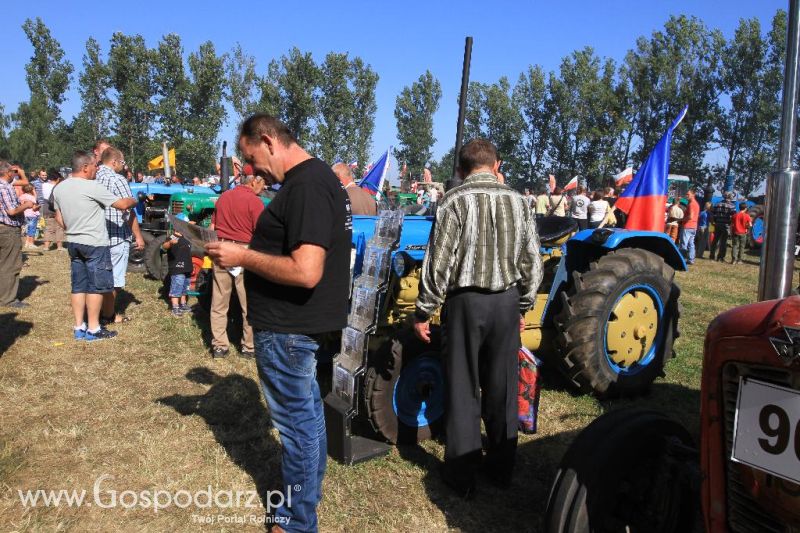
(193, 207)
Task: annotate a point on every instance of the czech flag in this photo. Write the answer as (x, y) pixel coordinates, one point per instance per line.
(646, 196)
(373, 180)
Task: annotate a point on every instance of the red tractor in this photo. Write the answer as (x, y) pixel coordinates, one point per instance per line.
(639, 470)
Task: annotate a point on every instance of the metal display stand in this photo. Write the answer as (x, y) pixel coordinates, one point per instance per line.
(350, 364)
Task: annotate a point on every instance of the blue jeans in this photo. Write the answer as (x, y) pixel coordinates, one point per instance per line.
(179, 284)
(287, 367)
(31, 224)
(687, 244)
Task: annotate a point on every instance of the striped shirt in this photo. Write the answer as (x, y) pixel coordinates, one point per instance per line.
(484, 238)
(117, 223)
(8, 202)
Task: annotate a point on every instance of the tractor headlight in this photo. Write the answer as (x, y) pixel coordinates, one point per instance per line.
(402, 263)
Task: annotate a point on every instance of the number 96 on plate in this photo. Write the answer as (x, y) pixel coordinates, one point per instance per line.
(766, 431)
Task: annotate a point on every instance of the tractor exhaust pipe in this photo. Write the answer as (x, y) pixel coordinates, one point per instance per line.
(455, 181)
(224, 170)
(783, 184)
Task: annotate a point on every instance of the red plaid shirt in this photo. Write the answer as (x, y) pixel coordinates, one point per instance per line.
(9, 202)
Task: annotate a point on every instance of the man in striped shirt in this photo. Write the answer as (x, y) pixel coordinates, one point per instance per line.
(483, 265)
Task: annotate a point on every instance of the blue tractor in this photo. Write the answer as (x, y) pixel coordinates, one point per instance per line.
(605, 317)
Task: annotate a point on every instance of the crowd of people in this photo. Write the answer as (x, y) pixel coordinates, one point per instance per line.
(289, 266)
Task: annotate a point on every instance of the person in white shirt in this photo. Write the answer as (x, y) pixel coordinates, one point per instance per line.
(598, 209)
(579, 208)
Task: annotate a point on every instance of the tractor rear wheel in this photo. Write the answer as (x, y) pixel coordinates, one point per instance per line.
(629, 470)
(404, 390)
(617, 323)
(154, 258)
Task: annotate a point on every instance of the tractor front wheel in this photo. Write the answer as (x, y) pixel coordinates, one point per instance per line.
(617, 323)
(154, 258)
(404, 390)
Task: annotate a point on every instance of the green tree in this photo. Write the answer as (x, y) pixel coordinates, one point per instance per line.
(336, 108)
(34, 139)
(172, 89)
(92, 122)
(290, 88)
(131, 69)
(269, 100)
(206, 112)
(675, 67)
(364, 80)
(240, 71)
(4, 124)
(748, 126)
(414, 110)
(530, 97)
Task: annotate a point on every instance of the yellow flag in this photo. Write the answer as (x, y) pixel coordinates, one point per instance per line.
(158, 162)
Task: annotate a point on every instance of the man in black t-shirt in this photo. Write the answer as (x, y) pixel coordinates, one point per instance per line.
(297, 279)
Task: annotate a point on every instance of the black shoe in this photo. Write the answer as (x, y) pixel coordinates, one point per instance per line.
(247, 354)
(16, 304)
(464, 488)
(218, 353)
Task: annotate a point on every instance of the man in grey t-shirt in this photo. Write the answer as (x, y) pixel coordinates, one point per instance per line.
(579, 208)
(80, 204)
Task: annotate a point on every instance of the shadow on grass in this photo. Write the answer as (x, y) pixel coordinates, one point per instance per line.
(124, 300)
(28, 284)
(12, 329)
(523, 506)
(201, 316)
(233, 410)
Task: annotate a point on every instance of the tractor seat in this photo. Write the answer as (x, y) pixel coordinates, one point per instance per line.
(555, 230)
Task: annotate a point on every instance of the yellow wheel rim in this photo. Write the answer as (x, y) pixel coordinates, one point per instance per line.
(632, 328)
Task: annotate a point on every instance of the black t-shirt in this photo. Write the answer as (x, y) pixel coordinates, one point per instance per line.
(179, 257)
(311, 207)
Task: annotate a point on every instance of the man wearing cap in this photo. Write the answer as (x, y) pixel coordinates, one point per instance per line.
(235, 216)
(723, 214)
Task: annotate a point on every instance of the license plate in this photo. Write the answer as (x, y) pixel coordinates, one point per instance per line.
(766, 431)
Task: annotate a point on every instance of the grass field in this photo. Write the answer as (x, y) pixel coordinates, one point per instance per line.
(152, 410)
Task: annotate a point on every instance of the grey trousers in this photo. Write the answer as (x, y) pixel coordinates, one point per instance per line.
(10, 263)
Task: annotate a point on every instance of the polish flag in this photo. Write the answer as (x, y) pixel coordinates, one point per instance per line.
(552, 183)
(573, 183)
(624, 177)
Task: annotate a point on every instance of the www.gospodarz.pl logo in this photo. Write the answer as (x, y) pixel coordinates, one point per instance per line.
(156, 499)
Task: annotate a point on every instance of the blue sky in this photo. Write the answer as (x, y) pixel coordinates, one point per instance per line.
(400, 39)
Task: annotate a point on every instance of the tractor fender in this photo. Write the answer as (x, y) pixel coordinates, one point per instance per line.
(591, 244)
(588, 245)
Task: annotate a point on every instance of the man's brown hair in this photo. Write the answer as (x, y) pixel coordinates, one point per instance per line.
(111, 154)
(475, 154)
(262, 124)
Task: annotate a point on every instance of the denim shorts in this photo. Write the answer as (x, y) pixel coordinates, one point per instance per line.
(119, 263)
(90, 269)
(31, 224)
(179, 284)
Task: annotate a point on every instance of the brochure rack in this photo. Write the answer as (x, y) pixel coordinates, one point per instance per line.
(350, 364)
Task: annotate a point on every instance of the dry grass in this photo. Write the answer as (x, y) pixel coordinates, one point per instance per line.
(154, 411)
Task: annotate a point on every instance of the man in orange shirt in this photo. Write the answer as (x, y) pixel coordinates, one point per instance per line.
(689, 227)
(740, 223)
